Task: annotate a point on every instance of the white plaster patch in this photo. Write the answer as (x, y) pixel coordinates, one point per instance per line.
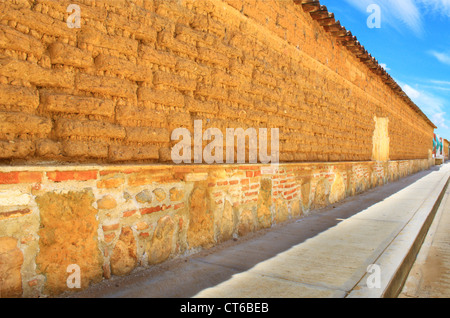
(13, 198)
(191, 177)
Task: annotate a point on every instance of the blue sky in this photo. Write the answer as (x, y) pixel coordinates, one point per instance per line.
(412, 43)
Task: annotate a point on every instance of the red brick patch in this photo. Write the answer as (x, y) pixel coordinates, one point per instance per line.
(290, 192)
(151, 210)
(165, 207)
(16, 213)
(59, 176)
(129, 213)
(109, 237)
(249, 167)
(20, 177)
(110, 227)
(178, 206)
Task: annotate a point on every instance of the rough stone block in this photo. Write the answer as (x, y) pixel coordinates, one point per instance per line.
(16, 149)
(116, 43)
(21, 97)
(124, 67)
(147, 134)
(11, 39)
(129, 112)
(62, 103)
(35, 74)
(70, 127)
(153, 56)
(160, 247)
(179, 82)
(61, 53)
(80, 150)
(40, 22)
(11, 260)
(124, 256)
(19, 123)
(201, 222)
(163, 97)
(68, 220)
(106, 85)
(129, 153)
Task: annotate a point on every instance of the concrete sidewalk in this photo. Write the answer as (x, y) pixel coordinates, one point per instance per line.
(323, 255)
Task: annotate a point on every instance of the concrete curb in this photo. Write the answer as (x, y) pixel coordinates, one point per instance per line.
(415, 277)
(399, 279)
(398, 258)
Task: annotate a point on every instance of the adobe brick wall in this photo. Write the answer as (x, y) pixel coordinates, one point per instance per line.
(108, 96)
(113, 90)
(112, 220)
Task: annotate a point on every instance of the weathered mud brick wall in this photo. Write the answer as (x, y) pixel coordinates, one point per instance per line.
(109, 94)
(114, 89)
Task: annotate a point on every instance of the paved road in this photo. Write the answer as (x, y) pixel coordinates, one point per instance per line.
(322, 255)
(430, 275)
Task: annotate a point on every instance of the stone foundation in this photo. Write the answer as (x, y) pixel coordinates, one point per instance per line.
(110, 220)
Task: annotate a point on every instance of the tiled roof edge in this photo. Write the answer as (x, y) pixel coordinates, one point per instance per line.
(327, 20)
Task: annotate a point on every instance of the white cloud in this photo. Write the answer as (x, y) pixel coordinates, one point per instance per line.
(432, 106)
(383, 65)
(409, 13)
(437, 88)
(433, 84)
(411, 92)
(439, 120)
(439, 7)
(439, 82)
(442, 57)
(395, 13)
